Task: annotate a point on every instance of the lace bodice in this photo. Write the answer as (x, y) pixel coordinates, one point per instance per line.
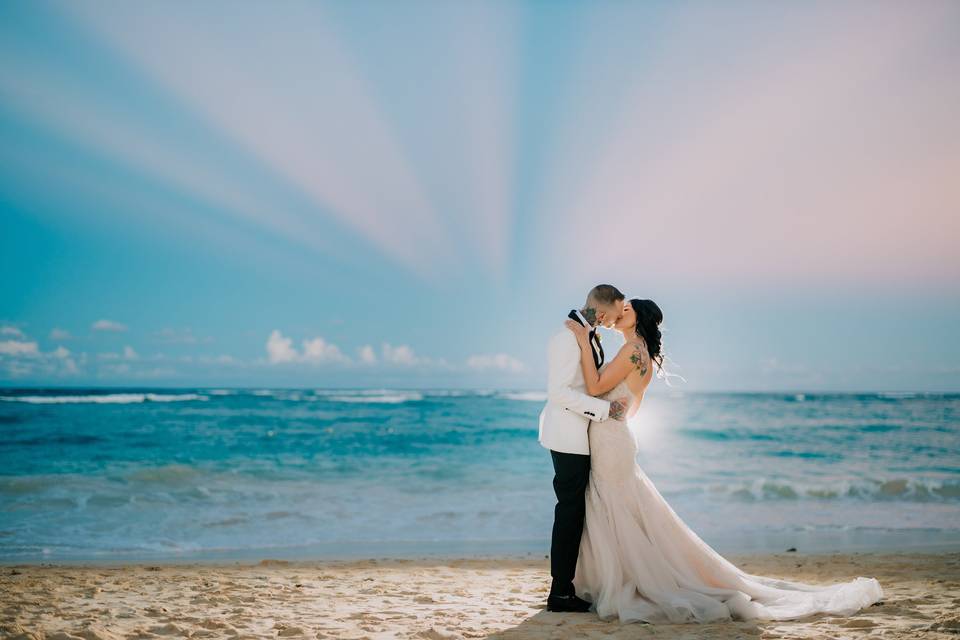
(619, 391)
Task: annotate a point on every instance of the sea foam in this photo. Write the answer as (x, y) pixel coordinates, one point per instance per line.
(107, 398)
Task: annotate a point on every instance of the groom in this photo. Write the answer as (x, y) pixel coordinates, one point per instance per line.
(563, 430)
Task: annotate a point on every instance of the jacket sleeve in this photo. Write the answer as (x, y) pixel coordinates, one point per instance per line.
(563, 358)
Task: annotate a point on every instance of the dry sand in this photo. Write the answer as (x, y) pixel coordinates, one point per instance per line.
(431, 599)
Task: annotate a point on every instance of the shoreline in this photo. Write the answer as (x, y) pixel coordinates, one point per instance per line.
(437, 560)
(887, 543)
(489, 597)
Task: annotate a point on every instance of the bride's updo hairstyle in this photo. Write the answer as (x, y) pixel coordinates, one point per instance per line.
(649, 318)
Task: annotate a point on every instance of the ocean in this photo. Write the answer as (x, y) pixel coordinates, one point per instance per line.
(121, 475)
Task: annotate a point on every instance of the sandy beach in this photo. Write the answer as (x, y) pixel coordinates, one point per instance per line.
(431, 599)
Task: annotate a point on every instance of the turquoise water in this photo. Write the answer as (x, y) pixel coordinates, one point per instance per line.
(207, 474)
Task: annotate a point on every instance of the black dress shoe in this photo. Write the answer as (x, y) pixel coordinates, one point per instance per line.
(567, 603)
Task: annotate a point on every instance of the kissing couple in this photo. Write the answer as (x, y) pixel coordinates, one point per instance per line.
(618, 549)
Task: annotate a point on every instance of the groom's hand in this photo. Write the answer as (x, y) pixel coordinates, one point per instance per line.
(618, 408)
(581, 332)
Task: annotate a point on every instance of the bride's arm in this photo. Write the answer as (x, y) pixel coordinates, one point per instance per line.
(597, 383)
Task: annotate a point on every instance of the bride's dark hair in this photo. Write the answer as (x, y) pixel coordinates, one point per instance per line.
(649, 318)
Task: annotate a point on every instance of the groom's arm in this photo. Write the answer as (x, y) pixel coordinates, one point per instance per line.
(563, 358)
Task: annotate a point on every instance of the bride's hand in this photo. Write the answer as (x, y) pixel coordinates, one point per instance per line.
(582, 332)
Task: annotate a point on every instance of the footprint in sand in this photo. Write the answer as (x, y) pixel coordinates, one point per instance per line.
(96, 632)
(950, 625)
(858, 623)
(168, 629)
(290, 631)
(434, 634)
(210, 623)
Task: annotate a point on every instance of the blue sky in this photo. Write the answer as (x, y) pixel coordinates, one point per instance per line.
(377, 194)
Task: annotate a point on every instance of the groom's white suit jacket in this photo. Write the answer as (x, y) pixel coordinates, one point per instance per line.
(569, 409)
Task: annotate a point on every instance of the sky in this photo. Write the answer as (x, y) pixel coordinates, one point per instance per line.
(377, 194)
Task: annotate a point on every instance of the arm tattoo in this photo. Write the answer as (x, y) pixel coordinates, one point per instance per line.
(639, 358)
(590, 314)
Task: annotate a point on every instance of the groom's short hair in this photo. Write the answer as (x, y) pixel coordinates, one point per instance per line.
(604, 294)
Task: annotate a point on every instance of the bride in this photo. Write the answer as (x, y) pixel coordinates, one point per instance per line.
(638, 560)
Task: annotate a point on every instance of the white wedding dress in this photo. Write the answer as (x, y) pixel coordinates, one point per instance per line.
(640, 562)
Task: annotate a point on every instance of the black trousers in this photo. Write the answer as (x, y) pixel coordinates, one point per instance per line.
(571, 473)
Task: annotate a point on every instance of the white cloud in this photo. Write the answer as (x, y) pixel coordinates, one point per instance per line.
(280, 349)
(18, 348)
(63, 354)
(319, 350)
(367, 355)
(498, 361)
(108, 325)
(404, 356)
(60, 334)
(401, 355)
(129, 353)
(20, 358)
(10, 330)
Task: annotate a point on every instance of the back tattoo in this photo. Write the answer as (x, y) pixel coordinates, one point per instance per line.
(639, 357)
